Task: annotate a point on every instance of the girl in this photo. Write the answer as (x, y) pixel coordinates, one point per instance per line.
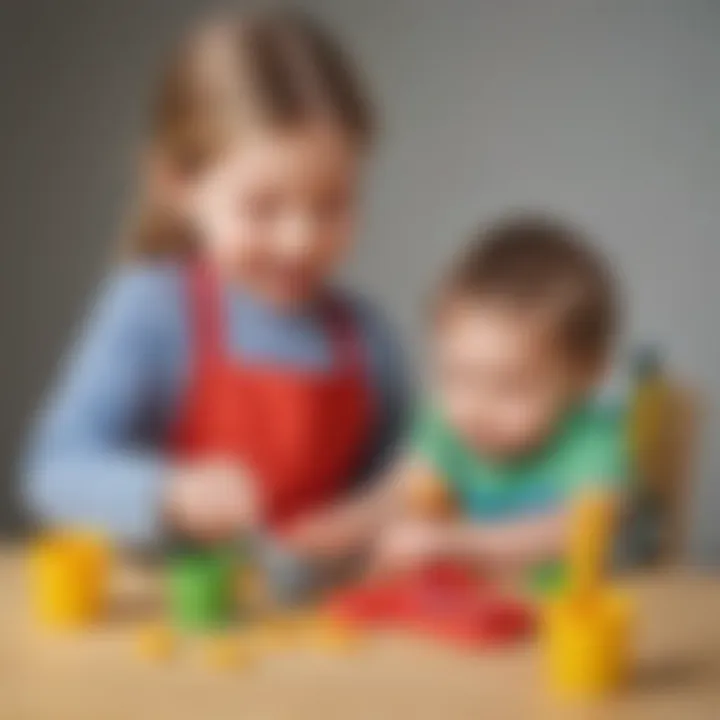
(221, 382)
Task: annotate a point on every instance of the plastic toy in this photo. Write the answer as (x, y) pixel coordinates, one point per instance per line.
(156, 643)
(585, 630)
(274, 634)
(429, 497)
(201, 585)
(224, 653)
(444, 601)
(69, 576)
(332, 635)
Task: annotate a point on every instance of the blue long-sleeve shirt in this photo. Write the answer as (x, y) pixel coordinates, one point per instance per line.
(96, 450)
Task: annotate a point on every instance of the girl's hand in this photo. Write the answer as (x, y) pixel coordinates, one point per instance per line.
(411, 543)
(342, 528)
(211, 500)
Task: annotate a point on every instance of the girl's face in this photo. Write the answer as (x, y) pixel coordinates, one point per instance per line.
(499, 378)
(277, 211)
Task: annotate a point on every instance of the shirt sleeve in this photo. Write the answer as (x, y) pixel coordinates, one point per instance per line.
(95, 457)
(600, 455)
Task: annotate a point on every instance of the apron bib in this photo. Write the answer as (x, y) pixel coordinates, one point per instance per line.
(299, 432)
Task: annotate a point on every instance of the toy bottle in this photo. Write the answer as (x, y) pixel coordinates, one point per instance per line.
(650, 417)
(649, 405)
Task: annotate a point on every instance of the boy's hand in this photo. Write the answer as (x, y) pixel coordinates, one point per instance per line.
(344, 527)
(330, 532)
(410, 544)
(211, 500)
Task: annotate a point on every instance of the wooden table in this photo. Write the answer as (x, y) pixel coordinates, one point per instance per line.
(97, 674)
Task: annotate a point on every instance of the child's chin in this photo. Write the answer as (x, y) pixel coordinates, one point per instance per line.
(505, 449)
(289, 296)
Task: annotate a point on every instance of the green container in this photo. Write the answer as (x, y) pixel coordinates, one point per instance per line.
(201, 588)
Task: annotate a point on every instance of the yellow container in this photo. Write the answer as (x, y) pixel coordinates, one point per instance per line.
(586, 644)
(69, 579)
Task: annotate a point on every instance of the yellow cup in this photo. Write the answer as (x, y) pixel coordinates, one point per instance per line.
(586, 644)
(69, 578)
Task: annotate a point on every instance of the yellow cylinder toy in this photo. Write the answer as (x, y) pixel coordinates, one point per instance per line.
(585, 632)
(586, 645)
(69, 578)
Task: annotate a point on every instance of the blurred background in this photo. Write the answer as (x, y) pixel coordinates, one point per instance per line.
(606, 111)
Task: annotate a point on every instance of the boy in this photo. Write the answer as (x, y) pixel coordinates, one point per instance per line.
(522, 331)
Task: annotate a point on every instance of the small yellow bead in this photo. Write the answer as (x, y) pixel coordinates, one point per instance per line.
(225, 653)
(332, 636)
(156, 643)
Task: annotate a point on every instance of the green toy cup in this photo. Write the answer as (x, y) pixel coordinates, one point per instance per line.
(201, 588)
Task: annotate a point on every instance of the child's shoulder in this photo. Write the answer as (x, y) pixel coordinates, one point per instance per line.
(595, 442)
(596, 416)
(359, 306)
(147, 281)
(433, 439)
(369, 317)
(142, 295)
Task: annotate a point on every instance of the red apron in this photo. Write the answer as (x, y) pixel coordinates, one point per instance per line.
(299, 432)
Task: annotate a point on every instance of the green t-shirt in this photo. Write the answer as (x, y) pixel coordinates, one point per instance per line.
(588, 447)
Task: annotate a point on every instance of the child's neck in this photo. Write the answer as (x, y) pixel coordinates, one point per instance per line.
(535, 446)
(248, 292)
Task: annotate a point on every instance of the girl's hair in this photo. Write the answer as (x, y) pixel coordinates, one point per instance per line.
(277, 69)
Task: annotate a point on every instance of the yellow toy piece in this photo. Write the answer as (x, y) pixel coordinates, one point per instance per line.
(333, 636)
(225, 653)
(586, 644)
(590, 535)
(156, 643)
(69, 573)
(272, 635)
(428, 496)
(585, 632)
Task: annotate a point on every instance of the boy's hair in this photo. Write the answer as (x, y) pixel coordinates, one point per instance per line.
(538, 264)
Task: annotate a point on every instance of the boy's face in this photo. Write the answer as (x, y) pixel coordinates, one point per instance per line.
(500, 380)
(278, 211)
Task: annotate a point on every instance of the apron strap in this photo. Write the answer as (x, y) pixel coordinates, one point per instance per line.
(205, 313)
(206, 320)
(347, 349)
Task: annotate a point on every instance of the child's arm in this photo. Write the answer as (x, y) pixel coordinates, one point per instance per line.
(354, 520)
(503, 546)
(96, 452)
(407, 489)
(531, 540)
(350, 524)
(85, 463)
(508, 544)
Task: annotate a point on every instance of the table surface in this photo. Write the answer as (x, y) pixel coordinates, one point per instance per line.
(98, 675)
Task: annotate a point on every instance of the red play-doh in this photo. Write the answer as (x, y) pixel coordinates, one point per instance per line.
(443, 601)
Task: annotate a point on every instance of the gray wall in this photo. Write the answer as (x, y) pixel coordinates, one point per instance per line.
(605, 110)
